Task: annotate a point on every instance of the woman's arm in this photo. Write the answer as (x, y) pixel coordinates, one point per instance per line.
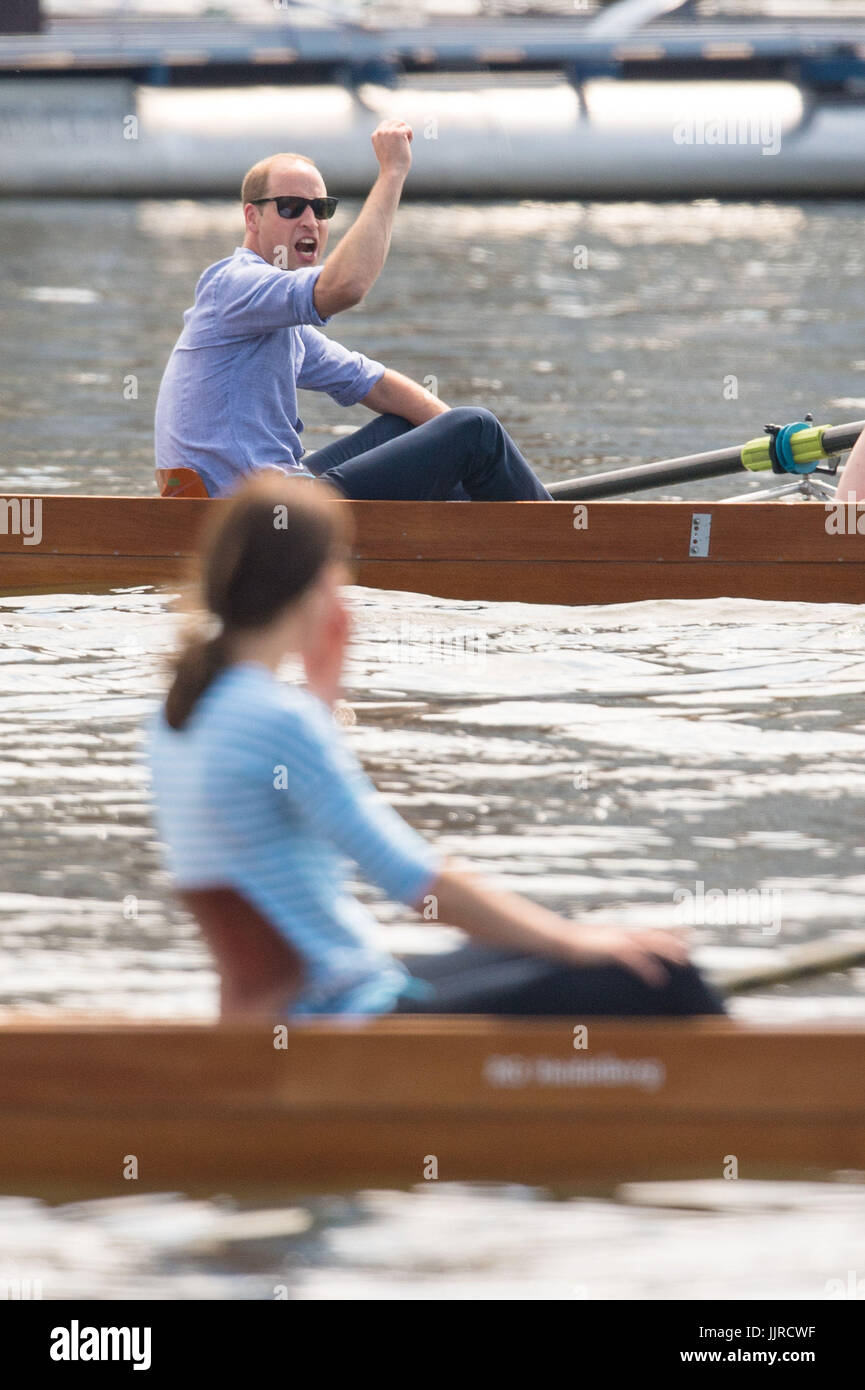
(505, 919)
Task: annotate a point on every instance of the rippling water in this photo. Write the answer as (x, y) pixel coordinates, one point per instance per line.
(598, 759)
(658, 744)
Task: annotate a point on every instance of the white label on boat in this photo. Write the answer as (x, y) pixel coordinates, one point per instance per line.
(701, 530)
(513, 1072)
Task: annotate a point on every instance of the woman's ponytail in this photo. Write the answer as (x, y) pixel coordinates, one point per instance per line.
(260, 553)
(197, 665)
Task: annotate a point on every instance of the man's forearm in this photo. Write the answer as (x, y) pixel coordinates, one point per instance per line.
(352, 269)
(395, 394)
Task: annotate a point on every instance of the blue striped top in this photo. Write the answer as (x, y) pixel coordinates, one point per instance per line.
(260, 792)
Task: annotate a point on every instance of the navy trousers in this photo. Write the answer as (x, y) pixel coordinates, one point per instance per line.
(464, 454)
(480, 980)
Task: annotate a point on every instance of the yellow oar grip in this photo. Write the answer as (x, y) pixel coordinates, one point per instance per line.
(755, 454)
(805, 445)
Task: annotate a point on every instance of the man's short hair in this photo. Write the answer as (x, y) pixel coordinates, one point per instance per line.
(257, 178)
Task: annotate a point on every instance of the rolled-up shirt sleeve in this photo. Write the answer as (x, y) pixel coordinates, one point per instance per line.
(254, 297)
(329, 789)
(346, 376)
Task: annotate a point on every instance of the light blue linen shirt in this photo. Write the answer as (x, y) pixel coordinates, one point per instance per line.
(227, 404)
(260, 792)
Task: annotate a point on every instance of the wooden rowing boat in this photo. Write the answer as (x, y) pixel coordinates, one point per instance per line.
(531, 552)
(395, 1101)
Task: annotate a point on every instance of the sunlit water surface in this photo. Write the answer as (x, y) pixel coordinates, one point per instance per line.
(597, 759)
(593, 758)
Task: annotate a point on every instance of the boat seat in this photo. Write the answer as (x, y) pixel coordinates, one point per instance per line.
(180, 482)
(260, 972)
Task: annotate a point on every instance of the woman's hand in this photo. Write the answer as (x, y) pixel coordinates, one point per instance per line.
(642, 951)
(506, 920)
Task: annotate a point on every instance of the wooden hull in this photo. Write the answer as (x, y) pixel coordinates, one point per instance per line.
(530, 552)
(393, 1100)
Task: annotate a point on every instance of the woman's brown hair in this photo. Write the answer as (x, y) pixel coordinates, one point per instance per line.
(259, 553)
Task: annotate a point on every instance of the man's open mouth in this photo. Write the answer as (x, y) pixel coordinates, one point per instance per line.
(306, 247)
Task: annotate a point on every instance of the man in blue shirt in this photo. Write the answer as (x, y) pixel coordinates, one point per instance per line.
(227, 404)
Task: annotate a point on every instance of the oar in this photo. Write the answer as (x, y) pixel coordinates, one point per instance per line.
(797, 963)
(806, 446)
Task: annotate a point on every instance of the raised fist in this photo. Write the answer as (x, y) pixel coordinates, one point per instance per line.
(391, 141)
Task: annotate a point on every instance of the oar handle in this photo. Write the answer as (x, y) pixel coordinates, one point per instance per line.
(798, 963)
(806, 446)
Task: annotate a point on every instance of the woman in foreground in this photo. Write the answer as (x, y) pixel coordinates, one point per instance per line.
(259, 799)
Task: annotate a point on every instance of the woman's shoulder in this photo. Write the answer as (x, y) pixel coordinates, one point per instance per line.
(251, 693)
(248, 702)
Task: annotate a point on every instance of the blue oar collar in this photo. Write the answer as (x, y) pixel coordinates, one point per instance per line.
(781, 450)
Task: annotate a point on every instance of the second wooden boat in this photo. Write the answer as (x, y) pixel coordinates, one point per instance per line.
(528, 552)
(121, 1108)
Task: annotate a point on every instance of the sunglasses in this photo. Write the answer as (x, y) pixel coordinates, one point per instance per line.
(290, 207)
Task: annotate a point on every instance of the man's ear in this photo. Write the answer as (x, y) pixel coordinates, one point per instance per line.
(250, 217)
